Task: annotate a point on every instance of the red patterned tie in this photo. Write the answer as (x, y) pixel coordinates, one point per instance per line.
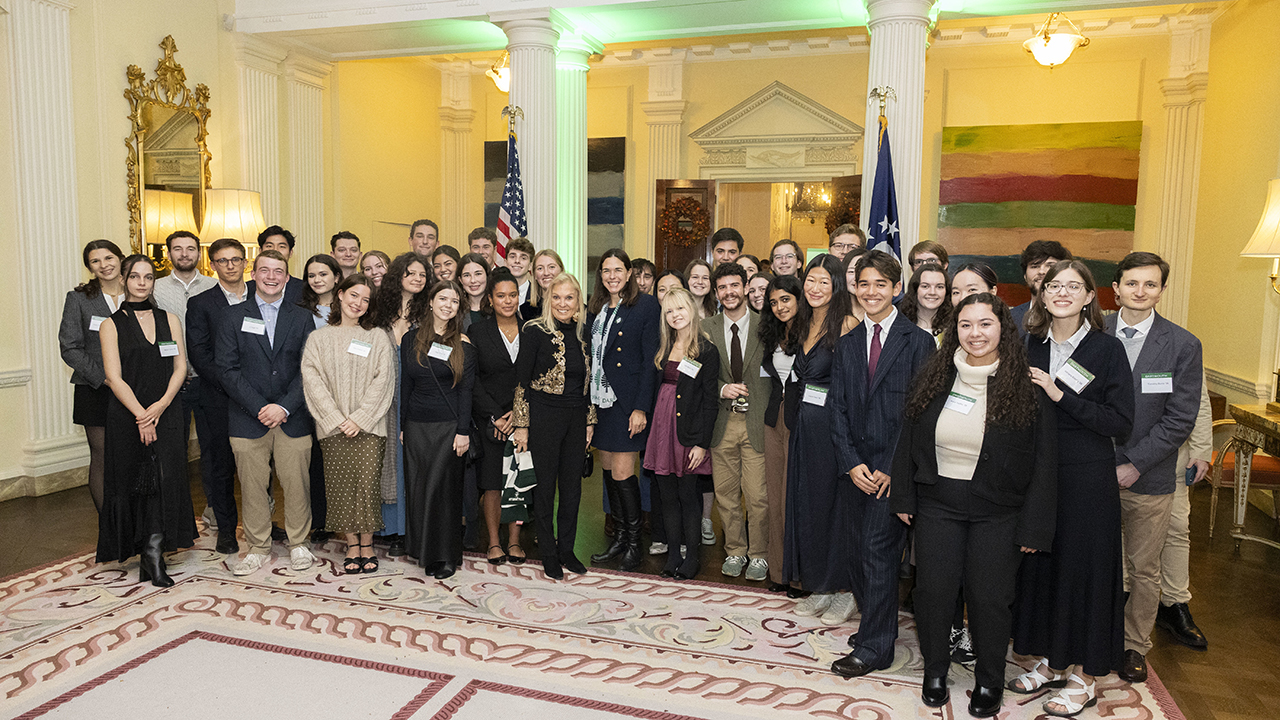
(874, 358)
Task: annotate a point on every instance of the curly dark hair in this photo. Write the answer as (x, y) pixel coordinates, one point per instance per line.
(386, 302)
(910, 303)
(1011, 396)
(773, 332)
(838, 308)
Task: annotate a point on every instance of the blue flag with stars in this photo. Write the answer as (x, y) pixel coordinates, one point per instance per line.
(882, 217)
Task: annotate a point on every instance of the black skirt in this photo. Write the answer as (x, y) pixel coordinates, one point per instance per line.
(90, 408)
(433, 493)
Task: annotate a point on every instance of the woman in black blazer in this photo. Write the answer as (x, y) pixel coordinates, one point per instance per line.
(622, 339)
(497, 343)
(85, 309)
(778, 334)
(686, 368)
(975, 472)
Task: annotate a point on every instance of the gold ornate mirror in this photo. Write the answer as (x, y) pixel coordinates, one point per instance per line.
(168, 161)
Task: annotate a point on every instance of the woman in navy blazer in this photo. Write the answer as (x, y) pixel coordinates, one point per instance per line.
(622, 340)
(85, 309)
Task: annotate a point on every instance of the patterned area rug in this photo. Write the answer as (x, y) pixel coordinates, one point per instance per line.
(83, 640)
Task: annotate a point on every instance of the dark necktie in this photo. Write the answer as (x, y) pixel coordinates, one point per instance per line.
(1129, 332)
(735, 355)
(874, 358)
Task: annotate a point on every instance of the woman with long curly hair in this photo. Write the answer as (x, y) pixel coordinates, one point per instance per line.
(975, 473)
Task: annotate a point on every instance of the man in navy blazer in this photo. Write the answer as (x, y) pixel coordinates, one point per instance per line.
(1167, 374)
(259, 355)
(874, 365)
(204, 314)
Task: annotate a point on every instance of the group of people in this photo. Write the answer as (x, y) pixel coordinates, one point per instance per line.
(845, 427)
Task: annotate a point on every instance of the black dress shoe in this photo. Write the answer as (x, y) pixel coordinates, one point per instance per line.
(667, 573)
(320, 537)
(573, 564)
(278, 534)
(1177, 620)
(227, 544)
(985, 701)
(778, 587)
(1134, 667)
(852, 667)
(552, 569)
(396, 548)
(934, 691)
(446, 570)
(797, 593)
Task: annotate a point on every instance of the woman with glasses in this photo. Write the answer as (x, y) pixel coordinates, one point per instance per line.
(1069, 611)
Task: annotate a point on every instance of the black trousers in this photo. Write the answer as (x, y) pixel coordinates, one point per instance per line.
(558, 443)
(319, 502)
(217, 464)
(878, 539)
(961, 538)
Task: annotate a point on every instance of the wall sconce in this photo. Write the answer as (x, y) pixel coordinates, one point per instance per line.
(234, 214)
(1052, 49)
(1265, 243)
(500, 73)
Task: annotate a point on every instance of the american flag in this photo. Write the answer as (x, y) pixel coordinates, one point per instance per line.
(882, 224)
(512, 222)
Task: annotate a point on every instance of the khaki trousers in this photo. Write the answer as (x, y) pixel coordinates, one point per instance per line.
(1146, 522)
(293, 465)
(1175, 558)
(776, 440)
(738, 472)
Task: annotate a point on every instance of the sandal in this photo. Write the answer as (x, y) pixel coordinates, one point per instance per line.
(1071, 708)
(515, 559)
(501, 558)
(1030, 682)
(351, 565)
(369, 564)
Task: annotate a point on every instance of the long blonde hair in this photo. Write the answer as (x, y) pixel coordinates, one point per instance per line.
(535, 290)
(547, 320)
(680, 298)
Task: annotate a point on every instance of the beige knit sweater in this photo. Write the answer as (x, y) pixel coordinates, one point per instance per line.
(339, 384)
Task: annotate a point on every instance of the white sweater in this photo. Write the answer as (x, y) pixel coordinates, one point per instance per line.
(339, 384)
(959, 436)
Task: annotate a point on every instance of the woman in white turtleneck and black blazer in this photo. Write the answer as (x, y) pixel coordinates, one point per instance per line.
(975, 473)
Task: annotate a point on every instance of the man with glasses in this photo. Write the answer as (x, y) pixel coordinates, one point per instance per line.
(927, 251)
(785, 258)
(845, 238)
(1037, 258)
(204, 312)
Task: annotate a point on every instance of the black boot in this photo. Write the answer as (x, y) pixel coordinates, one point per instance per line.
(619, 542)
(151, 566)
(629, 494)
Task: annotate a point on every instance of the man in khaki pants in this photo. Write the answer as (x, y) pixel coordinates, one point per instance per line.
(737, 452)
(259, 355)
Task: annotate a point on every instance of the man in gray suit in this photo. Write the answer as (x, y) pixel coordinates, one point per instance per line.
(737, 445)
(1167, 375)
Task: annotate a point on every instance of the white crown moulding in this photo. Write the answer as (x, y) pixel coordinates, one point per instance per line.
(950, 34)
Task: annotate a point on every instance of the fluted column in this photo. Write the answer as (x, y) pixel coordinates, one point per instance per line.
(571, 146)
(48, 239)
(664, 114)
(305, 81)
(1184, 94)
(258, 71)
(899, 35)
(456, 116)
(531, 42)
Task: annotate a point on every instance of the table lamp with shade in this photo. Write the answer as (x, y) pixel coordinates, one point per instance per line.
(165, 212)
(1265, 243)
(233, 213)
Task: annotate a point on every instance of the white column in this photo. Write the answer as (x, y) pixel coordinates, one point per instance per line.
(571, 144)
(258, 70)
(899, 35)
(456, 116)
(531, 41)
(664, 114)
(305, 80)
(1184, 93)
(48, 242)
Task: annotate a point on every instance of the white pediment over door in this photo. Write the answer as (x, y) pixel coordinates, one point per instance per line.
(778, 134)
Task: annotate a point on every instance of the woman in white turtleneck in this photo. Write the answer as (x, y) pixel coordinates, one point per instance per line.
(976, 475)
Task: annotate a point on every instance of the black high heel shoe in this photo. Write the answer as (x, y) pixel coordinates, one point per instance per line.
(151, 566)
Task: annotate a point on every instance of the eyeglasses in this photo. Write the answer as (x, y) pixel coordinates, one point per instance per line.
(1055, 287)
(842, 247)
(788, 256)
(229, 262)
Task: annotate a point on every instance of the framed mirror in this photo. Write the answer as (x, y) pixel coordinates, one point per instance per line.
(168, 158)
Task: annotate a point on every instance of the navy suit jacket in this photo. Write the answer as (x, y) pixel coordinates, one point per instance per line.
(866, 417)
(256, 372)
(205, 312)
(1019, 313)
(628, 355)
(1162, 421)
(292, 290)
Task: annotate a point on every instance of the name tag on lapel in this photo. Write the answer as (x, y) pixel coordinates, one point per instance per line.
(440, 352)
(95, 322)
(1157, 383)
(690, 367)
(168, 348)
(815, 395)
(960, 403)
(1074, 376)
(254, 326)
(359, 348)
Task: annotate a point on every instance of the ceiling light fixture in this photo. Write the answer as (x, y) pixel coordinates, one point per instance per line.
(1053, 49)
(500, 73)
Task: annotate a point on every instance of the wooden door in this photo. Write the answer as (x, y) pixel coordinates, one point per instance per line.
(685, 218)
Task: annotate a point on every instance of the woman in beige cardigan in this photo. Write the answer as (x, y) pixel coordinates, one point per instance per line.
(348, 377)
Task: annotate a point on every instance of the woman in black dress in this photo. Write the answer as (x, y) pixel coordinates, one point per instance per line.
(438, 368)
(146, 496)
(1069, 609)
(623, 327)
(554, 419)
(819, 497)
(473, 276)
(497, 343)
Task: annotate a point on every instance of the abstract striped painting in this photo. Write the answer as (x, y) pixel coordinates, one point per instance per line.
(1003, 186)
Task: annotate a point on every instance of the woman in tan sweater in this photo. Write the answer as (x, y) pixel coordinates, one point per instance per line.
(348, 377)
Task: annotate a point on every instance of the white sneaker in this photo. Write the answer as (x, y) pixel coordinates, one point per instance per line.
(815, 604)
(301, 558)
(657, 548)
(841, 609)
(209, 519)
(732, 566)
(708, 534)
(757, 569)
(251, 564)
